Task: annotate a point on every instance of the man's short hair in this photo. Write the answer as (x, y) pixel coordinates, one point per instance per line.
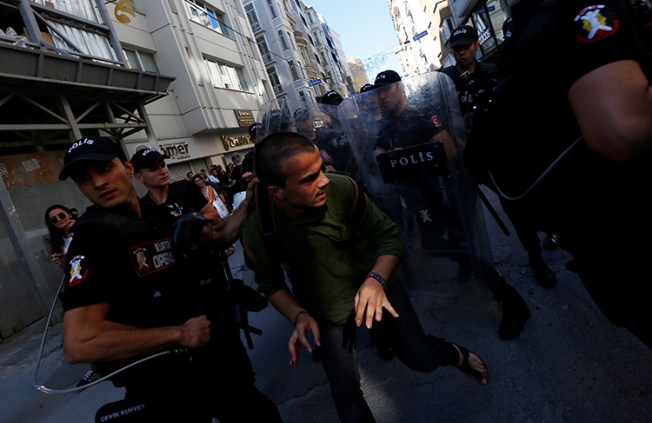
(274, 150)
(90, 149)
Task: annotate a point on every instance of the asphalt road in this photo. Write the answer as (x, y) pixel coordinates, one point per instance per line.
(569, 365)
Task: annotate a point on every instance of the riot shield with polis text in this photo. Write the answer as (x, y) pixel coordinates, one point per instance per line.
(406, 140)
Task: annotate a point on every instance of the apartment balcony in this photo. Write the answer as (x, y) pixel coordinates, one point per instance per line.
(53, 94)
(300, 39)
(28, 70)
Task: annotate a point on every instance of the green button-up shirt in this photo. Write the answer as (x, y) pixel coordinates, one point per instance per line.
(328, 254)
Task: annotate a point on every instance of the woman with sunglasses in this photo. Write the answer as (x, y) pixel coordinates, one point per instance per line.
(59, 220)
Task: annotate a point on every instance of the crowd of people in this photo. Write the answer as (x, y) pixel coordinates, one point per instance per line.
(329, 214)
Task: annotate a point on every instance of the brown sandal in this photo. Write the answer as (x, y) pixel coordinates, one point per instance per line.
(466, 368)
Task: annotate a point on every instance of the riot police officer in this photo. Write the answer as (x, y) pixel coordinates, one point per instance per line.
(128, 298)
(474, 83)
(583, 169)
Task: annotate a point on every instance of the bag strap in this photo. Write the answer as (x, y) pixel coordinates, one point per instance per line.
(264, 212)
(360, 204)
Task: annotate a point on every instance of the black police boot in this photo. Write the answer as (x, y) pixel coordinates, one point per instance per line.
(515, 310)
(545, 276)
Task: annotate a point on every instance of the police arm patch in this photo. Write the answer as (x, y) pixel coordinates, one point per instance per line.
(595, 23)
(78, 270)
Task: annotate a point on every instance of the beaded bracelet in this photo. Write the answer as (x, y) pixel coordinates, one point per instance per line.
(378, 277)
(297, 316)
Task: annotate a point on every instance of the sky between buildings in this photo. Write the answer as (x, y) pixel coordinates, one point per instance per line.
(365, 29)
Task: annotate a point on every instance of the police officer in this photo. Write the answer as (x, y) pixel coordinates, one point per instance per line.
(248, 161)
(441, 228)
(128, 297)
(583, 168)
(179, 197)
(472, 81)
(474, 85)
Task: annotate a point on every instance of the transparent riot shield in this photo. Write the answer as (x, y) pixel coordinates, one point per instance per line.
(406, 140)
(274, 117)
(318, 122)
(333, 141)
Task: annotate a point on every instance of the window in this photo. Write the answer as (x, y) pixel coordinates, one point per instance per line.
(225, 76)
(264, 49)
(291, 40)
(281, 37)
(252, 17)
(293, 70)
(208, 17)
(272, 10)
(274, 81)
(140, 60)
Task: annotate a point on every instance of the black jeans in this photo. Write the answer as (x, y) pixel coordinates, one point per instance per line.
(418, 351)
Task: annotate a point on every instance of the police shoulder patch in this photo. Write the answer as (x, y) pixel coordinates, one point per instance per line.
(595, 23)
(78, 270)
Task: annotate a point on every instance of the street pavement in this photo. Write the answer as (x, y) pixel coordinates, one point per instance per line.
(569, 365)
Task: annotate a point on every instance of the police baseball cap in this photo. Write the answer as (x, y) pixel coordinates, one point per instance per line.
(367, 87)
(301, 114)
(147, 158)
(463, 36)
(90, 149)
(386, 77)
(277, 120)
(253, 128)
(332, 97)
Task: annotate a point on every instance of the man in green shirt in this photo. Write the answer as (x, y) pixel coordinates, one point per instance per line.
(341, 270)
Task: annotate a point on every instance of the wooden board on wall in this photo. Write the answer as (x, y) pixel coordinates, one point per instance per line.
(26, 170)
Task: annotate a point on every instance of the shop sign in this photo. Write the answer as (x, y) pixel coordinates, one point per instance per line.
(122, 8)
(244, 117)
(231, 142)
(176, 150)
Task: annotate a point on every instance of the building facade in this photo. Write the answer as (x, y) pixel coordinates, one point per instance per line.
(182, 76)
(425, 26)
(221, 82)
(417, 24)
(301, 54)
